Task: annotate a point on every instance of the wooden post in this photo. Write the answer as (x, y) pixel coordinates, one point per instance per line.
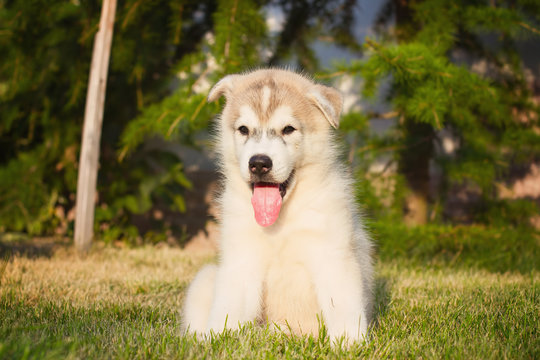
(93, 118)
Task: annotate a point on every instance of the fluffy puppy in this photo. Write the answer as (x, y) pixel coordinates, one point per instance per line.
(292, 247)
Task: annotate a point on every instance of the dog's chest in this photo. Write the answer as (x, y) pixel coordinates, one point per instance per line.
(289, 295)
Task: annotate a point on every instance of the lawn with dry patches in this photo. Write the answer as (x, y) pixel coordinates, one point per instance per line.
(442, 297)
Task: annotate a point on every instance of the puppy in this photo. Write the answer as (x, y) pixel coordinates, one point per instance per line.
(292, 250)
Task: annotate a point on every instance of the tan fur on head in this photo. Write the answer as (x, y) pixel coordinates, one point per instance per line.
(327, 100)
(223, 87)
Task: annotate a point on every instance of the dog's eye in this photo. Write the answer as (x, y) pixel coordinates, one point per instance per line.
(288, 130)
(243, 130)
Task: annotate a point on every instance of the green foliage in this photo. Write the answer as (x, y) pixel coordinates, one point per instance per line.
(177, 115)
(167, 53)
(310, 21)
(28, 195)
(185, 111)
(42, 90)
(513, 212)
(40, 105)
(496, 249)
(150, 177)
(381, 196)
(233, 49)
(491, 115)
(430, 89)
(180, 115)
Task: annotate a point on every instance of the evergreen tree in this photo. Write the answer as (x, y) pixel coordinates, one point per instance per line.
(157, 46)
(491, 115)
(43, 78)
(167, 53)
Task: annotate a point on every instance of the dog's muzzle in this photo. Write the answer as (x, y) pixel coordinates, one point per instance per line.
(267, 193)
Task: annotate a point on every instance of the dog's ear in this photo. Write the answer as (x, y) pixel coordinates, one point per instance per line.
(223, 87)
(329, 101)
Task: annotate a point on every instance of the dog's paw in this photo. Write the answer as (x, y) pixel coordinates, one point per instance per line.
(345, 341)
(220, 324)
(349, 335)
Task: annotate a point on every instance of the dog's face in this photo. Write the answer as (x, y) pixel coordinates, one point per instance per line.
(268, 152)
(274, 123)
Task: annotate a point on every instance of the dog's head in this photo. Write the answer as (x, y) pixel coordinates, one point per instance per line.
(275, 122)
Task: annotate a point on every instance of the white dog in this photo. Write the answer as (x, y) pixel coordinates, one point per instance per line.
(292, 249)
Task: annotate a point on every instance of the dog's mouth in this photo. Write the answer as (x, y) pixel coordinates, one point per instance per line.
(281, 187)
(267, 199)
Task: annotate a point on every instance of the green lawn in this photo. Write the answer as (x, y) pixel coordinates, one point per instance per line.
(466, 292)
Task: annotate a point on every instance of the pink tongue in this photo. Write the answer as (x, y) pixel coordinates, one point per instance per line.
(266, 201)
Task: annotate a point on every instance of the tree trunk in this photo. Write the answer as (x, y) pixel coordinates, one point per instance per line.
(414, 159)
(414, 162)
(93, 118)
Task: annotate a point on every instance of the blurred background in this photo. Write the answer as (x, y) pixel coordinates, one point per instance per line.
(440, 124)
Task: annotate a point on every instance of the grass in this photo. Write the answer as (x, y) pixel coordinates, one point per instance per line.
(442, 292)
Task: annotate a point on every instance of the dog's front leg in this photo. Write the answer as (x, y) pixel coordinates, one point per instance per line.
(237, 293)
(338, 285)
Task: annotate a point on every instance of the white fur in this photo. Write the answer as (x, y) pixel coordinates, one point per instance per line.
(314, 261)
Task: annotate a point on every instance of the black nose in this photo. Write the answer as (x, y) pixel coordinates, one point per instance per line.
(260, 164)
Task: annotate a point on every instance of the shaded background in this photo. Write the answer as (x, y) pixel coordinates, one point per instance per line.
(440, 117)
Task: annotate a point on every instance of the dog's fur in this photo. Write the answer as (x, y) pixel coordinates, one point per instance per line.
(314, 262)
